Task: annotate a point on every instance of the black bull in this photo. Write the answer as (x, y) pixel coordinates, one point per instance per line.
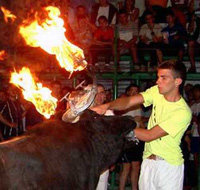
(58, 155)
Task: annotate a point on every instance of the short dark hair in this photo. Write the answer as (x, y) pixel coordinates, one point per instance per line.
(196, 87)
(102, 18)
(131, 86)
(177, 67)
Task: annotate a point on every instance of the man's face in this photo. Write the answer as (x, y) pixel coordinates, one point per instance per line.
(12, 92)
(100, 96)
(103, 23)
(133, 91)
(81, 12)
(149, 19)
(170, 19)
(166, 81)
(123, 18)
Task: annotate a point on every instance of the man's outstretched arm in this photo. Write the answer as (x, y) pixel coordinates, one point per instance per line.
(120, 104)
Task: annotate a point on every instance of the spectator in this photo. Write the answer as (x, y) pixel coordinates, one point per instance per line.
(131, 159)
(150, 40)
(127, 37)
(100, 99)
(103, 41)
(83, 29)
(174, 36)
(188, 94)
(195, 142)
(103, 8)
(131, 10)
(193, 28)
(12, 112)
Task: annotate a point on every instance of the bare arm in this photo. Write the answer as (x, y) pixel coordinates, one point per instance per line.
(149, 135)
(120, 104)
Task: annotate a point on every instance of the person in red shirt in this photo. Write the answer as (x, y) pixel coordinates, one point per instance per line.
(103, 41)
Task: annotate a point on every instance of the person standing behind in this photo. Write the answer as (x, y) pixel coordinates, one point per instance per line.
(131, 159)
(103, 41)
(193, 30)
(127, 37)
(173, 37)
(150, 40)
(83, 30)
(103, 8)
(163, 163)
(100, 99)
(11, 112)
(195, 141)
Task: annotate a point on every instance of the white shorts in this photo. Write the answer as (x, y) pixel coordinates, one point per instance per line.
(103, 181)
(160, 175)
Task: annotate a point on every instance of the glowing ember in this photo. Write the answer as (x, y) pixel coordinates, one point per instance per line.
(3, 54)
(8, 15)
(49, 35)
(40, 96)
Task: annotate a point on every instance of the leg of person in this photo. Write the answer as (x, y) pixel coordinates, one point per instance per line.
(158, 174)
(159, 56)
(124, 175)
(103, 181)
(135, 169)
(134, 54)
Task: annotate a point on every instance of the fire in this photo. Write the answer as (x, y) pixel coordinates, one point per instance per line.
(40, 96)
(2, 55)
(49, 35)
(8, 15)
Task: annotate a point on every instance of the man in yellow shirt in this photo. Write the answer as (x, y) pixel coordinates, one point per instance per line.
(162, 166)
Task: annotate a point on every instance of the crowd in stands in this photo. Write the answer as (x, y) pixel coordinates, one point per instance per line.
(137, 27)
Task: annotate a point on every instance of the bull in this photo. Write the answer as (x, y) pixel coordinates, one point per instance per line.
(58, 155)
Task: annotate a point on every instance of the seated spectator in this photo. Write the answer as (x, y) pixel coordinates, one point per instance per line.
(83, 29)
(193, 28)
(103, 41)
(127, 37)
(150, 40)
(103, 8)
(131, 10)
(174, 36)
(131, 159)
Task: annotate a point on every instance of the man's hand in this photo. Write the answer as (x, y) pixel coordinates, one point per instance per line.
(100, 109)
